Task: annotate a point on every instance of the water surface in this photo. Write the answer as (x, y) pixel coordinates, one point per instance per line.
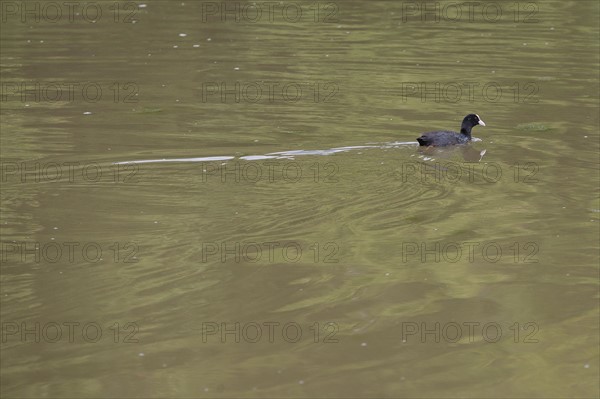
(266, 173)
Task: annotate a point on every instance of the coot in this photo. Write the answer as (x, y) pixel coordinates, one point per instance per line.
(445, 137)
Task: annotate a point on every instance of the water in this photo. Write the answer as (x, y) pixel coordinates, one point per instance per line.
(285, 237)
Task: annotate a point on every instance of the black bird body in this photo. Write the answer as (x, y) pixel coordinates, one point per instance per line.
(444, 138)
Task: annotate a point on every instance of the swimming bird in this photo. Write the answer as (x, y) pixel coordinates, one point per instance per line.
(444, 138)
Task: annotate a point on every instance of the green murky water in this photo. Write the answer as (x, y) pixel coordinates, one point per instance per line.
(296, 243)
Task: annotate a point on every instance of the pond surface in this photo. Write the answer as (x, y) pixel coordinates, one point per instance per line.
(218, 199)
